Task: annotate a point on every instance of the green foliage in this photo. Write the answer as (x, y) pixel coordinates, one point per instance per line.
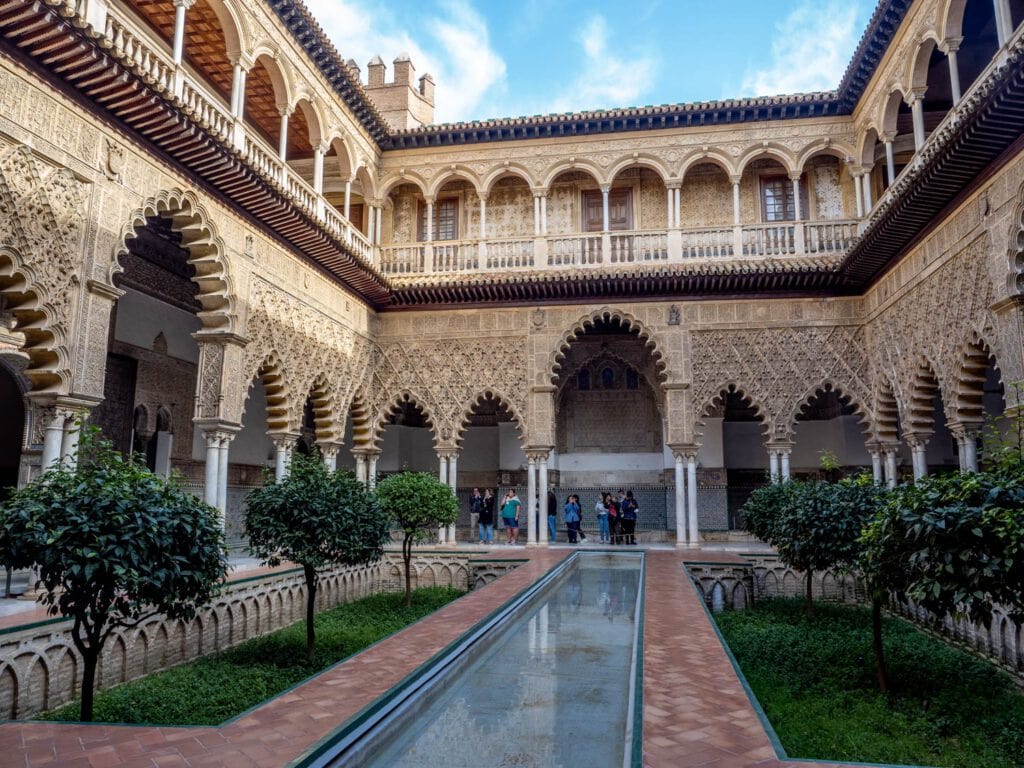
(763, 508)
(112, 544)
(222, 685)
(418, 503)
(815, 683)
(830, 462)
(315, 517)
(953, 543)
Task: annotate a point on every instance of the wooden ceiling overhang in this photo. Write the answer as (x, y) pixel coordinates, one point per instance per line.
(40, 35)
(740, 278)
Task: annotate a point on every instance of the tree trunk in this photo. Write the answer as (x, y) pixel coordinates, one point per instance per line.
(876, 635)
(407, 559)
(310, 611)
(810, 595)
(90, 658)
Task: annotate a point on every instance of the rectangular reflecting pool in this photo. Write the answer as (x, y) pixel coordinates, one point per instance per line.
(552, 684)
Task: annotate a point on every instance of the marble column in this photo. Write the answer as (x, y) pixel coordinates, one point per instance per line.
(542, 481)
(917, 112)
(222, 473)
(529, 505)
(282, 145)
(784, 454)
(371, 469)
(442, 476)
(890, 159)
(180, 6)
(53, 437)
(211, 468)
(693, 539)
(680, 469)
(604, 208)
(773, 465)
(361, 474)
(889, 453)
(283, 445)
(951, 47)
(453, 484)
(877, 472)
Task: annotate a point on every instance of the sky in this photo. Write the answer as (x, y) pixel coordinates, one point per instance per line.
(509, 58)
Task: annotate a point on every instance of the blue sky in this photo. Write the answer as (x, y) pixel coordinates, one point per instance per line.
(496, 58)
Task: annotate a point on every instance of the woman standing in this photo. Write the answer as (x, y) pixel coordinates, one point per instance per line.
(613, 519)
(510, 517)
(572, 517)
(628, 512)
(487, 518)
(601, 508)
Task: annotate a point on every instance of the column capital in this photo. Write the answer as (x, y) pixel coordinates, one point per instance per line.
(285, 110)
(916, 94)
(211, 426)
(538, 453)
(444, 453)
(186, 4)
(796, 175)
(917, 440)
(605, 188)
(950, 45)
(963, 430)
(735, 178)
(329, 448)
(284, 441)
(781, 446)
(888, 137)
(539, 191)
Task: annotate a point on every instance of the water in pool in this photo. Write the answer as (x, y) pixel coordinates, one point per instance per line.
(552, 688)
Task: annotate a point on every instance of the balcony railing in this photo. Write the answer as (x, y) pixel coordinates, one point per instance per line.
(756, 241)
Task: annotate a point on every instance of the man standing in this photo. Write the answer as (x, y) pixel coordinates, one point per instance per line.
(552, 516)
(476, 503)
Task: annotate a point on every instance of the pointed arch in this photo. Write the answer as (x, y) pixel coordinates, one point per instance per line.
(206, 253)
(323, 397)
(488, 393)
(607, 314)
(924, 388)
(968, 400)
(717, 400)
(279, 397)
(885, 426)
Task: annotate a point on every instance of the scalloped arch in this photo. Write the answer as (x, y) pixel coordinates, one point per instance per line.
(206, 249)
(392, 405)
(845, 396)
(885, 426)
(968, 397)
(479, 397)
(279, 396)
(718, 398)
(924, 387)
(325, 410)
(607, 314)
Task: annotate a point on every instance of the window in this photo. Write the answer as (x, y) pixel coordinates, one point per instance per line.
(608, 378)
(620, 210)
(446, 219)
(777, 203)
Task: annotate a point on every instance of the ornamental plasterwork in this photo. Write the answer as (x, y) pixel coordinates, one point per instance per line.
(309, 346)
(42, 211)
(445, 377)
(778, 368)
(933, 322)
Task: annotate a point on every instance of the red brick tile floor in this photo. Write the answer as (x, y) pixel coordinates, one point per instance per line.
(696, 712)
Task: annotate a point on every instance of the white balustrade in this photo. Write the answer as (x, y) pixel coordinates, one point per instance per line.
(633, 247)
(455, 256)
(769, 240)
(509, 254)
(401, 259)
(829, 236)
(565, 251)
(302, 194)
(265, 160)
(707, 243)
(155, 68)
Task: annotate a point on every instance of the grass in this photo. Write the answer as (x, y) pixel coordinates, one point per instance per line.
(219, 686)
(815, 681)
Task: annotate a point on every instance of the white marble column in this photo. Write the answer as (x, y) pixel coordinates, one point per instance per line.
(971, 451)
(890, 466)
(238, 91)
(736, 202)
(318, 168)
(379, 228)
(869, 203)
(784, 462)
(919, 447)
(361, 474)
(1004, 23)
(680, 498)
(542, 501)
(283, 445)
(69, 440)
(604, 208)
(371, 469)
(536, 215)
(180, 6)
(329, 454)
(211, 468)
(222, 473)
(529, 505)
(877, 473)
(544, 213)
(442, 476)
(951, 46)
(773, 465)
(483, 218)
(430, 221)
(858, 193)
(453, 484)
(282, 144)
(348, 198)
(917, 112)
(890, 160)
(797, 213)
(691, 495)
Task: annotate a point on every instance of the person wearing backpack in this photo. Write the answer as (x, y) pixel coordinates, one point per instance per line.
(628, 511)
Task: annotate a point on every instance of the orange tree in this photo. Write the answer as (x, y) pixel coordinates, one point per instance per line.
(113, 544)
(315, 518)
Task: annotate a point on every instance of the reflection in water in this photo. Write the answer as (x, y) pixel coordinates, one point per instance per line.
(552, 689)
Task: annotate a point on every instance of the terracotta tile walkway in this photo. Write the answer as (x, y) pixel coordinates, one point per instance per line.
(696, 712)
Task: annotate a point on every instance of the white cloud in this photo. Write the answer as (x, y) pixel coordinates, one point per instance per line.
(606, 78)
(457, 50)
(810, 50)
